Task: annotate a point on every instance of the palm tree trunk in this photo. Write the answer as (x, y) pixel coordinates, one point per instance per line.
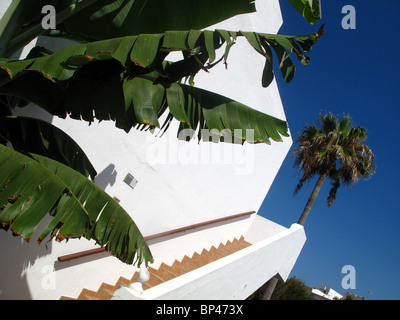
(274, 280)
(312, 198)
(271, 284)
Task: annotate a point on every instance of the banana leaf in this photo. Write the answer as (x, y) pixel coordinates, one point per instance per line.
(198, 109)
(128, 79)
(91, 20)
(122, 18)
(29, 135)
(31, 189)
(309, 9)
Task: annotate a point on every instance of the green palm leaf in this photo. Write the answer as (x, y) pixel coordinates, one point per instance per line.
(29, 135)
(148, 51)
(309, 9)
(199, 109)
(334, 149)
(129, 81)
(105, 19)
(122, 17)
(31, 189)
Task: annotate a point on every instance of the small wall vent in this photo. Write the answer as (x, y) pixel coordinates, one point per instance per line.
(130, 180)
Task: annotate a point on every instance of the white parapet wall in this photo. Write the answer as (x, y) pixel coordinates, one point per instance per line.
(37, 274)
(234, 277)
(34, 272)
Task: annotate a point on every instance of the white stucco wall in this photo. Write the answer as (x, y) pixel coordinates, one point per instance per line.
(179, 183)
(192, 182)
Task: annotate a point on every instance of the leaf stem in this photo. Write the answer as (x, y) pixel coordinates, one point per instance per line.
(7, 23)
(28, 35)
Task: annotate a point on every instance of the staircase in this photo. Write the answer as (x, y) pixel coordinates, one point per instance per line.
(165, 272)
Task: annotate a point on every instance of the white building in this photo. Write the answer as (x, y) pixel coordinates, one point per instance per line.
(326, 293)
(196, 203)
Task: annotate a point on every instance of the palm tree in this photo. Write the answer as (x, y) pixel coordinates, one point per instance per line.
(118, 73)
(336, 151)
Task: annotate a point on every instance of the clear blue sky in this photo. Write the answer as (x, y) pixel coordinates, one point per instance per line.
(354, 72)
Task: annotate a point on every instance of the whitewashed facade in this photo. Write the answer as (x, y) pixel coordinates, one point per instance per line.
(178, 184)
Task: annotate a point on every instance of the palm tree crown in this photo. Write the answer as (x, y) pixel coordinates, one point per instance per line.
(334, 150)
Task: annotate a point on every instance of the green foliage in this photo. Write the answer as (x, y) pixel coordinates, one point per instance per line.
(92, 20)
(128, 80)
(335, 148)
(31, 187)
(29, 135)
(292, 289)
(309, 9)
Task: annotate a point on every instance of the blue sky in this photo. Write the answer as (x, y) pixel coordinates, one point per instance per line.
(353, 72)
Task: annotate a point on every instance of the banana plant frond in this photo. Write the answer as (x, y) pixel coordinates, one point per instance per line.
(29, 135)
(147, 53)
(105, 19)
(309, 9)
(31, 189)
(100, 80)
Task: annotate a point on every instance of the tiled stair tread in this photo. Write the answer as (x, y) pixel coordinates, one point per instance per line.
(165, 272)
(105, 292)
(87, 295)
(174, 269)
